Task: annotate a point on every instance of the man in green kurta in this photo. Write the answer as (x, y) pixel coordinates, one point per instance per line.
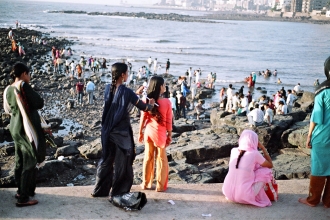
(319, 142)
(27, 154)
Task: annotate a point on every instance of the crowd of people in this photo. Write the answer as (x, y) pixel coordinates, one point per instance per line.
(259, 111)
(249, 170)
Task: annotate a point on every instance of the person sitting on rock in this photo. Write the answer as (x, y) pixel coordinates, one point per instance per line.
(256, 116)
(282, 108)
(269, 114)
(199, 108)
(248, 172)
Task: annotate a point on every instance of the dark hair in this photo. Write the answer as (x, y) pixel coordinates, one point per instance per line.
(230, 85)
(18, 70)
(281, 102)
(256, 105)
(241, 153)
(289, 90)
(153, 92)
(116, 70)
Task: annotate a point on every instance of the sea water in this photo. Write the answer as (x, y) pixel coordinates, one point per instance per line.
(232, 49)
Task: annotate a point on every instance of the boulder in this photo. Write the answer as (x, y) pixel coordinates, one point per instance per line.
(291, 166)
(201, 147)
(66, 151)
(92, 150)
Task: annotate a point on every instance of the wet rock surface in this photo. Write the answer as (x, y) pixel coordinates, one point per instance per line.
(200, 149)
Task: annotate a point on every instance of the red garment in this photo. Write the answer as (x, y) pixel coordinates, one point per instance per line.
(80, 87)
(155, 131)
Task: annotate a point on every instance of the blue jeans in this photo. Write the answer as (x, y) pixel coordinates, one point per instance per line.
(80, 97)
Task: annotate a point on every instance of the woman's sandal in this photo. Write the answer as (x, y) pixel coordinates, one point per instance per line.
(28, 203)
(304, 201)
(17, 196)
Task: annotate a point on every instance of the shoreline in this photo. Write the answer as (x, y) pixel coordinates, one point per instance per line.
(199, 151)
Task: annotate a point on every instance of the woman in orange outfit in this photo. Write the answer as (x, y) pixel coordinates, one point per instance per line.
(157, 136)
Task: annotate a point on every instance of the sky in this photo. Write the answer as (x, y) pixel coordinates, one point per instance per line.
(104, 2)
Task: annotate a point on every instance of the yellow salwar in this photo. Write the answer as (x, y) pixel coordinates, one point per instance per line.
(153, 153)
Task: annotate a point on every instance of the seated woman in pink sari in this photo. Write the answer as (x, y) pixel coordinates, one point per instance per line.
(248, 172)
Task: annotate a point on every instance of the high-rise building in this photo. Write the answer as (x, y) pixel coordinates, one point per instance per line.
(318, 4)
(296, 5)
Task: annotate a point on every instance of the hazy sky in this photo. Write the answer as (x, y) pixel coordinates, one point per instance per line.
(104, 2)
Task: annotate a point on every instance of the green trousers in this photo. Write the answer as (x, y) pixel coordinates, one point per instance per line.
(25, 170)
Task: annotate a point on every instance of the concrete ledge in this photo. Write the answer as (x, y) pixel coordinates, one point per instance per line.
(191, 201)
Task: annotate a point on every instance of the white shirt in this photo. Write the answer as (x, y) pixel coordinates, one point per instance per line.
(173, 102)
(257, 115)
(72, 65)
(149, 60)
(229, 93)
(67, 62)
(155, 64)
(290, 99)
(297, 88)
(197, 76)
(90, 86)
(189, 71)
(244, 104)
(284, 109)
(269, 112)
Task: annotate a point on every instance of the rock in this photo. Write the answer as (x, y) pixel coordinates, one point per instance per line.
(291, 166)
(90, 169)
(52, 168)
(92, 150)
(203, 147)
(66, 151)
(7, 150)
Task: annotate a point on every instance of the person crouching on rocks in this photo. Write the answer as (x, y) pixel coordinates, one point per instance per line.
(115, 168)
(22, 103)
(157, 135)
(248, 172)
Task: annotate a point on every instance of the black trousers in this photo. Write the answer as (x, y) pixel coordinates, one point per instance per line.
(115, 170)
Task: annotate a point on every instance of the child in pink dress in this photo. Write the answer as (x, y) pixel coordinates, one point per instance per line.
(248, 172)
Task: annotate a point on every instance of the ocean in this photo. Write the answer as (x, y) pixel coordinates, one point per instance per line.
(232, 49)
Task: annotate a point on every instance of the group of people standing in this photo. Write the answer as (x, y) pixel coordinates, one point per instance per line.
(115, 170)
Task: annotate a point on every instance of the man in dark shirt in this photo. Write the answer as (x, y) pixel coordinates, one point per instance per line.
(80, 91)
(168, 64)
(183, 102)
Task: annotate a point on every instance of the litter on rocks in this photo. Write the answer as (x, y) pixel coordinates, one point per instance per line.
(206, 215)
(69, 184)
(171, 202)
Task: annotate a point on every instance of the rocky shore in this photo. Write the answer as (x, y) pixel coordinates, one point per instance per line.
(199, 152)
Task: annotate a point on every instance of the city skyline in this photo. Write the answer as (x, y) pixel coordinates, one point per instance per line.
(102, 2)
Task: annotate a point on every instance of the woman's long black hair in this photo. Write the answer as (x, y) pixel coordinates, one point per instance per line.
(153, 92)
(241, 153)
(18, 70)
(116, 70)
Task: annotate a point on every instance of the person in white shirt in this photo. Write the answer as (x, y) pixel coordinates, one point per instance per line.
(229, 98)
(269, 114)
(189, 75)
(236, 103)
(282, 108)
(244, 105)
(297, 88)
(149, 62)
(256, 116)
(67, 66)
(290, 99)
(173, 102)
(155, 66)
(197, 73)
(90, 88)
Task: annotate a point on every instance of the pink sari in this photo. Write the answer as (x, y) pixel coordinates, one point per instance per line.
(245, 184)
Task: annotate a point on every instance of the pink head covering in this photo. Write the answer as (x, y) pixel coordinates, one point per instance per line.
(248, 141)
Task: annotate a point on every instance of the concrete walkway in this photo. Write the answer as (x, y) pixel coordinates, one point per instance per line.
(191, 202)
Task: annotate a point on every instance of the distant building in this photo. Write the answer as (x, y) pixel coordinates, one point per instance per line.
(306, 6)
(296, 5)
(318, 4)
